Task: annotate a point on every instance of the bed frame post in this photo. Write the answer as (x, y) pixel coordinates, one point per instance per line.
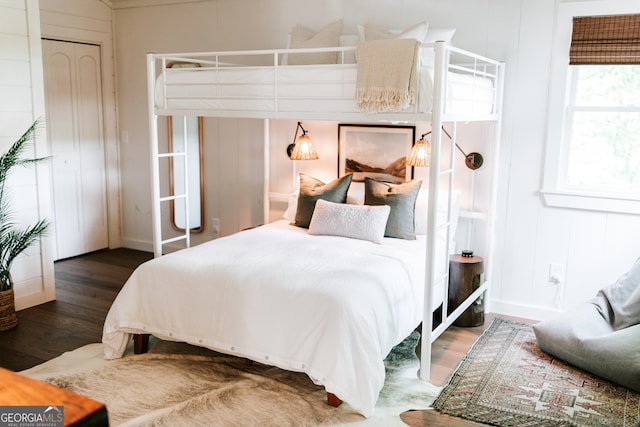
(153, 147)
(434, 169)
(267, 173)
(333, 400)
(140, 343)
(493, 204)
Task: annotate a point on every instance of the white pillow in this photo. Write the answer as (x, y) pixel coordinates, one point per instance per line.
(355, 194)
(302, 37)
(440, 35)
(427, 56)
(370, 32)
(292, 205)
(292, 202)
(354, 221)
(348, 40)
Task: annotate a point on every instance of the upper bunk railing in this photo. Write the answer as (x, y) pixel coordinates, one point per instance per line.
(260, 84)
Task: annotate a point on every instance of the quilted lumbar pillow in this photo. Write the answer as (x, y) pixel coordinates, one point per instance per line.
(302, 37)
(312, 189)
(402, 200)
(354, 221)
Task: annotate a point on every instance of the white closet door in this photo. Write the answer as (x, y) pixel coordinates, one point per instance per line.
(76, 137)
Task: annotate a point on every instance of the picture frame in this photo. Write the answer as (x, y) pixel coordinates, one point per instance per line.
(375, 151)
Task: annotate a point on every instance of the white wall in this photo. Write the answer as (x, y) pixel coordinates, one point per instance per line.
(22, 102)
(595, 248)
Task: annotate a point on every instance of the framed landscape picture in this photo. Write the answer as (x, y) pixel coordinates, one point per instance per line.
(375, 151)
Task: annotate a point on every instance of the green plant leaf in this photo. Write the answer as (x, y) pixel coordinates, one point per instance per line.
(14, 241)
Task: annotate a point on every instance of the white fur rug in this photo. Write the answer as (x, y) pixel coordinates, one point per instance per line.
(179, 384)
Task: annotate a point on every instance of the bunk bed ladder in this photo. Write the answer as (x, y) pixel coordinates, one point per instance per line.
(156, 158)
(436, 173)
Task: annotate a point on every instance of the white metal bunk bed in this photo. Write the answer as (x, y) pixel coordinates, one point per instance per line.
(218, 88)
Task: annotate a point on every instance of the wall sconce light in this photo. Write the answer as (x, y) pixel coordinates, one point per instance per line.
(301, 148)
(421, 153)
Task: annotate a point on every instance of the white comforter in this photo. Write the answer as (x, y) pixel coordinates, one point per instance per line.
(331, 307)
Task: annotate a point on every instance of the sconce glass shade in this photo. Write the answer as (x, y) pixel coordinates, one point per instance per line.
(303, 149)
(420, 153)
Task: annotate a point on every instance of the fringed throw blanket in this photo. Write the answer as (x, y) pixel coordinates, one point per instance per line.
(386, 75)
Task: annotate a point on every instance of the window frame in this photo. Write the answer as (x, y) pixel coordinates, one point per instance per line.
(553, 192)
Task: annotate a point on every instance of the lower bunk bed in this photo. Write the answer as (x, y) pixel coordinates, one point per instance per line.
(330, 306)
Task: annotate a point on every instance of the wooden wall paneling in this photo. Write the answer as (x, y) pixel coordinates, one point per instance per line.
(586, 257)
(552, 243)
(620, 238)
(21, 102)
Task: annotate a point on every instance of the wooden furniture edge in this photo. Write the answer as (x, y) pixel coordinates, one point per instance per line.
(141, 343)
(19, 390)
(333, 400)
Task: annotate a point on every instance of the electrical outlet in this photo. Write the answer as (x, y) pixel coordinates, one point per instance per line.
(556, 273)
(215, 226)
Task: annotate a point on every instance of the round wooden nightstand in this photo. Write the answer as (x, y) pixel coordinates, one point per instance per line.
(465, 276)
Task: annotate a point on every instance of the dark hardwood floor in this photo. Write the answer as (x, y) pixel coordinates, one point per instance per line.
(86, 287)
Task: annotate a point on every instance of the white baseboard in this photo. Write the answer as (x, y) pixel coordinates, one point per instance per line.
(146, 246)
(138, 245)
(524, 311)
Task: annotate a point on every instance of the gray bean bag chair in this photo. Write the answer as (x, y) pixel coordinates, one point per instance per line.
(601, 336)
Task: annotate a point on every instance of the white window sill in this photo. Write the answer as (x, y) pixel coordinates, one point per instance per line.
(592, 202)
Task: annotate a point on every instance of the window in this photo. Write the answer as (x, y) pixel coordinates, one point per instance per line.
(603, 129)
(593, 144)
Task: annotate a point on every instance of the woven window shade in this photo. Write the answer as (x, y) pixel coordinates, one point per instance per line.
(605, 40)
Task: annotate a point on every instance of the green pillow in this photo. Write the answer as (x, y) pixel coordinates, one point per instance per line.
(312, 189)
(402, 200)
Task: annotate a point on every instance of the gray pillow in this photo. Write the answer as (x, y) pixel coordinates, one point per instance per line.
(402, 200)
(312, 189)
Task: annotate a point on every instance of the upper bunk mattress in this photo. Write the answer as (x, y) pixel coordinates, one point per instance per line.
(304, 89)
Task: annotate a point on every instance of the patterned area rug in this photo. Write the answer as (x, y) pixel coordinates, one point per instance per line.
(506, 380)
(177, 384)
